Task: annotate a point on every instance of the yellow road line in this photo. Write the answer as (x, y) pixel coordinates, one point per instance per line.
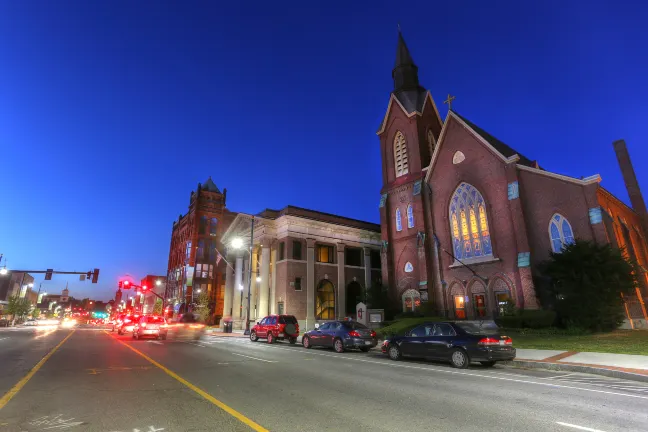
(15, 389)
(231, 411)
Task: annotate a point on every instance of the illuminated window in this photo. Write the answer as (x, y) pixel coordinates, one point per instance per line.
(469, 223)
(560, 233)
(400, 155)
(399, 224)
(324, 254)
(325, 301)
(410, 217)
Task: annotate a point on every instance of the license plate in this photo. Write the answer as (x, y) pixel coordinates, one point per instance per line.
(502, 342)
(150, 331)
(281, 335)
(367, 342)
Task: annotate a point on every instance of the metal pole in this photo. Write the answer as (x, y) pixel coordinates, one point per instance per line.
(247, 319)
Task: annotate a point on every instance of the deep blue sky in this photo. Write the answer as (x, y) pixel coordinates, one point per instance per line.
(111, 112)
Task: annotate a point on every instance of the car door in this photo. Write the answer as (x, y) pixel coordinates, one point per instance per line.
(318, 335)
(440, 343)
(333, 331)
(414, 343)
(261, 328)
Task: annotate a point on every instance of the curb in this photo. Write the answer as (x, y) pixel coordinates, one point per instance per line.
(612, 373)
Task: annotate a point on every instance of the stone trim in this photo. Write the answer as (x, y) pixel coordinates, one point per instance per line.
(524, 259)
(469, 262)
(593, 179)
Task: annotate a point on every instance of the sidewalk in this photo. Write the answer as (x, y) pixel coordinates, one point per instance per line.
(625, 366)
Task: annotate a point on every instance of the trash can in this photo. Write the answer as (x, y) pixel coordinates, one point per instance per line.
(227, 328)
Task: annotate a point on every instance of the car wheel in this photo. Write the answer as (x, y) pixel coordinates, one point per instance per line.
(365, 349)
(338, 345)
(271, 338)
(459, 359)
(163, 337)
(306, 342)
(292, 340)
(394, 352)
(488, 363)
(254, 337)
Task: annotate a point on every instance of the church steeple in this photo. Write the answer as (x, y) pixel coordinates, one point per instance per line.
(405, 73)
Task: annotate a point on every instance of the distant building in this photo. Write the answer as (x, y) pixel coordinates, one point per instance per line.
(14, 283)
(155, 285)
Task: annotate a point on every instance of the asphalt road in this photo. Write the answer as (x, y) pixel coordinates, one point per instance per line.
(96, 381)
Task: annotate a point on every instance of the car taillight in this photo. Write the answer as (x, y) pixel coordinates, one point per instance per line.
(488, 341)
(508, 341)
(373, 333)
(164, 325)
(143, 324)
(354, 333)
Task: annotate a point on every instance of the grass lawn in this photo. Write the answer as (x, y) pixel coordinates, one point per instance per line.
(619, 342)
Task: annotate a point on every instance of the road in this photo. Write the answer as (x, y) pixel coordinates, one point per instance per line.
(98, 382)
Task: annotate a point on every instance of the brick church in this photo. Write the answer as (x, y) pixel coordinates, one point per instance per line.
(465, 218)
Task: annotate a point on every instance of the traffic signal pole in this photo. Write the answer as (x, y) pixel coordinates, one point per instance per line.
(48, 273)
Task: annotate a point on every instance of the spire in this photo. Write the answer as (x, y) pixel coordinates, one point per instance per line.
(405, 73)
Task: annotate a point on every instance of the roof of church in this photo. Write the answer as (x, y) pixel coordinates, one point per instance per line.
(412, 100)
(406, 84)
(403, 56)
(319, 216)
(501, 147)
(210, 186)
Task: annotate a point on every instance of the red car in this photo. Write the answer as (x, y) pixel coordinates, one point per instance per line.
(276, 327)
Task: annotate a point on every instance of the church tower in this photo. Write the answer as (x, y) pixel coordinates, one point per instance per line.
(408, 136)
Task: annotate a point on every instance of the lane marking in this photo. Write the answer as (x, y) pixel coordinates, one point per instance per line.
(455, 372)
(156, 342)
(254, 358)
(579, 427)
(231, 411)
(4, 338)
(15, 389)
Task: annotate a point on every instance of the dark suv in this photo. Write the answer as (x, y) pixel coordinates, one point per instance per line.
(275, 327)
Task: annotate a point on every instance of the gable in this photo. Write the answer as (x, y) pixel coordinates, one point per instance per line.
(409, 107)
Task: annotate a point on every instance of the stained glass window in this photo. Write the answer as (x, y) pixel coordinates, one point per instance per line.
(560, 233)
(410, 217)
(469, 223)
(399, 224)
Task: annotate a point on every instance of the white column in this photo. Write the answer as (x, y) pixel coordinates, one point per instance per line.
(273, 286)
(254, 300)
(229, 291)
(340, 300)
(367, 269)
(246, 278)
(265, 280)
(310, 284)
(238, 282)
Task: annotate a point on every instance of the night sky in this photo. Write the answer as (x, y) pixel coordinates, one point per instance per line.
(111, 112)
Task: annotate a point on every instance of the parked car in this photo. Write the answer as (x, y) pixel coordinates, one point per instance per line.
(341, 335)
(459, 342)
(150, 326)
(187, 326)
(30, 322)
(125, 324)
(4, 322)
(276, 327)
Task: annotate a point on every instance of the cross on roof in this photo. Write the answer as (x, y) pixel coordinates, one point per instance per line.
(449, 101)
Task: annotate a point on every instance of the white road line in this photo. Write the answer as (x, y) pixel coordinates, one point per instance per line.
(579, 427)
(4, 338)
(156, 342)
(254, 358)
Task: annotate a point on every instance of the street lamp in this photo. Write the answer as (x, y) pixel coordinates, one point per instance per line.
(237, 243)
(158, 282)
(3, 271)
(258, 278)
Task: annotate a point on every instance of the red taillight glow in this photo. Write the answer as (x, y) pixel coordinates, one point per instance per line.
(143, 324)
(354, 333)
(508, 341)
(373, 333)
(488, 341)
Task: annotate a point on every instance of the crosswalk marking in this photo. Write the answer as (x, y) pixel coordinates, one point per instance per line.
(601, 382)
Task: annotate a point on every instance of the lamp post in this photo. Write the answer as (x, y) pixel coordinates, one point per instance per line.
(237, 243)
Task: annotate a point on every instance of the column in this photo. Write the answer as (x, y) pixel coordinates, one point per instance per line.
(340, 301)
(310, 284)
(246, 278)
(367, 270)
(229, 291)
(273, 286)
(238, 281)
(265, 279)
(254, 301)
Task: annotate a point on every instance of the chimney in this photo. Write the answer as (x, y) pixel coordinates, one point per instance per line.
(630, 179)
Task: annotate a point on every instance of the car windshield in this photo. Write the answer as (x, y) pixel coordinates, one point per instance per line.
(478, 327)
(287, 319)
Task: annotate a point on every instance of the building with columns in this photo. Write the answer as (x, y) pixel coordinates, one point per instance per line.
(466, 219)
(313, 265)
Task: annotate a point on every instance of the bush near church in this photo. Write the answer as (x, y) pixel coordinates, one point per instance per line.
(586, 281)
(533, 319)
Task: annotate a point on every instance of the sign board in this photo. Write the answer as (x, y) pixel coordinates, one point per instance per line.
(361, 313)
(376, 317)
(189, 272)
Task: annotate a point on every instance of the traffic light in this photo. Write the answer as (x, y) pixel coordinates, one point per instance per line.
(144, 288)
(126, 284)
(89, 275)
(121, 284)
(48, 274)
(95, 276)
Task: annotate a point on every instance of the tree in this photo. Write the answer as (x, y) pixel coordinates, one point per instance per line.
(586, 281)
(202, 306)
(18, 307)
(157, 307)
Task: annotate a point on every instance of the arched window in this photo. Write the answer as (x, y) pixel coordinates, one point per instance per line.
(469, 224)
(411, 300)
(325, 301)
(201, 250)
(560, 233)
(431, 141)
(400, 154)
(399, 224)
(410, 217)
(213, 226)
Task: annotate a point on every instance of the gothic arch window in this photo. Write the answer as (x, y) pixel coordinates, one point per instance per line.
(325, 301)
(411, 300)
(400, 155)
(469, 223)
(560, 233)
(431, 141)
(410, 217)
(399, 223)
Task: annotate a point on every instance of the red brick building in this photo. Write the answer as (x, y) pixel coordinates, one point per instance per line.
(195, 239)
(465, 218)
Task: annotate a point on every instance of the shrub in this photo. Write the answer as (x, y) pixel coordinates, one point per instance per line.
(509, 321)
(537, 319)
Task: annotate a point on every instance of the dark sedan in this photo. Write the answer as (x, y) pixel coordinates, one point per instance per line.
(458, 342)
(341, 335)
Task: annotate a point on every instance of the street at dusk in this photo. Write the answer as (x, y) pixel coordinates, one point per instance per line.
(98, 382)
